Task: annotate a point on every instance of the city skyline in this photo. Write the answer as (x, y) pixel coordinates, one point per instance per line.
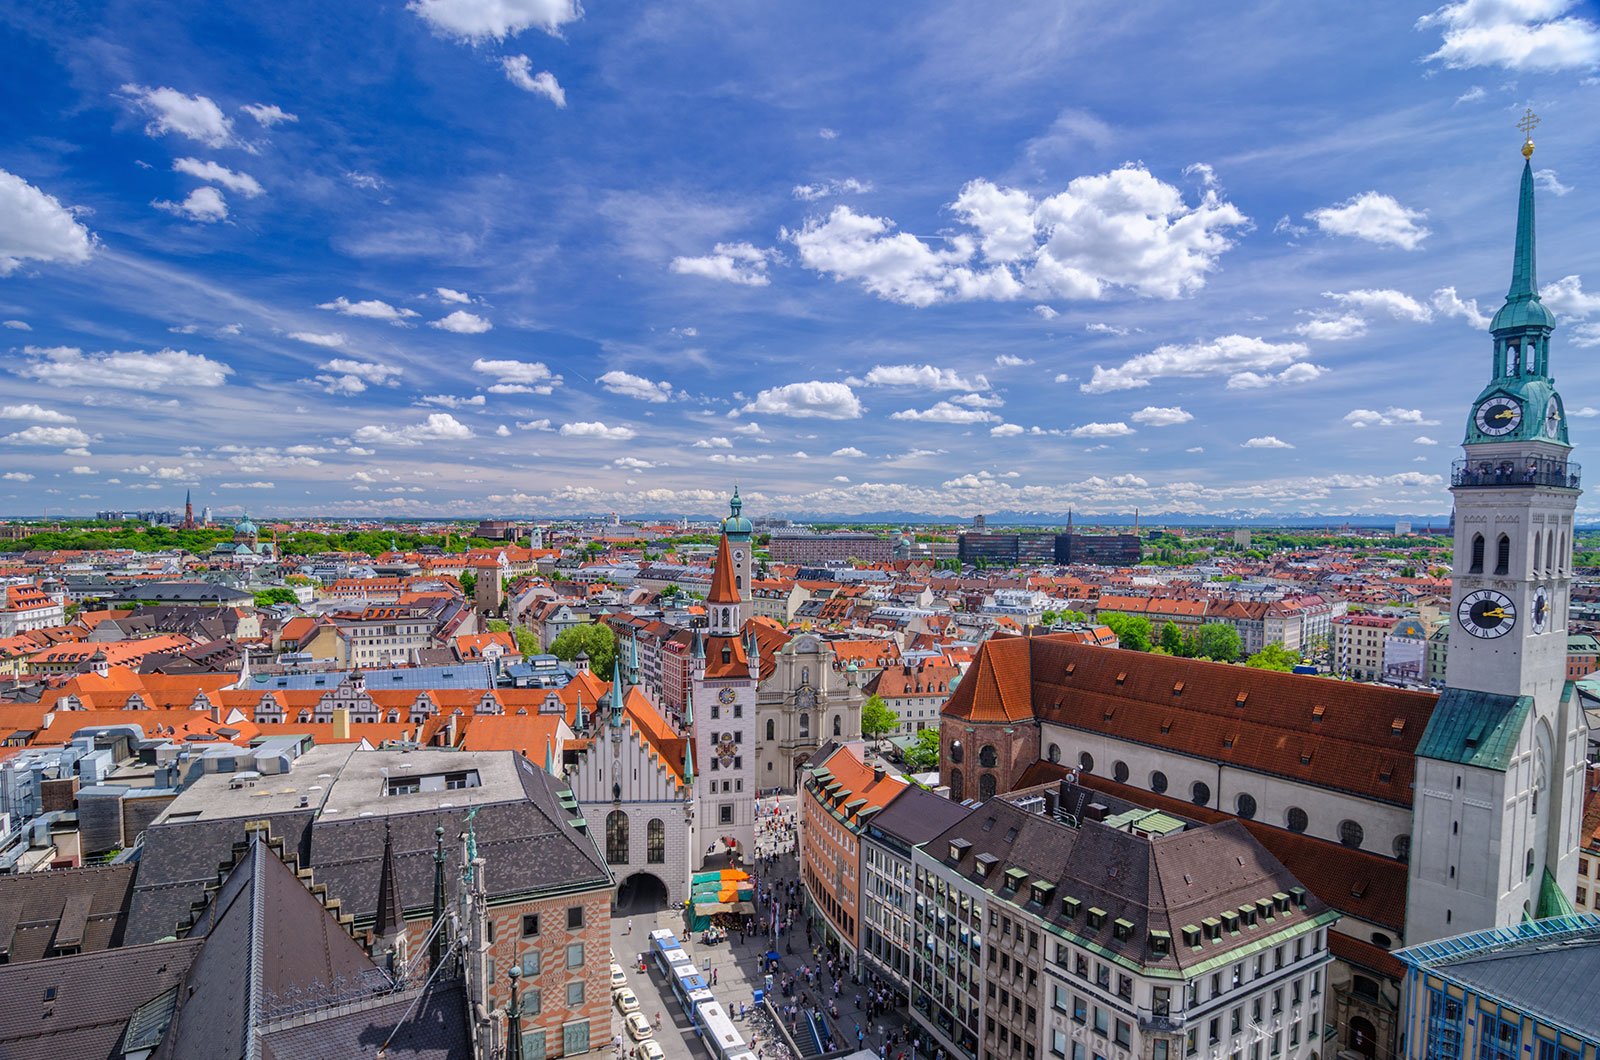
(456, 257)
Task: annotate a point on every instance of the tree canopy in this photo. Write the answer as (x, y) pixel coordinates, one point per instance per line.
(876, 718)
(923, 755)
(1133, 631)
(591, 637)
(1274, 657)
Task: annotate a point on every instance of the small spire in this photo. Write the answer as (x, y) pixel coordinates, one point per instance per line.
(549, 758)
(391, 914)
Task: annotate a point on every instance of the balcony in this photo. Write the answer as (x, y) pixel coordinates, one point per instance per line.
(1471, 474)
(1160, 1022)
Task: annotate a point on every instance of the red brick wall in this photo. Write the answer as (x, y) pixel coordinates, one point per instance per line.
(823, 856)
(1016, 747)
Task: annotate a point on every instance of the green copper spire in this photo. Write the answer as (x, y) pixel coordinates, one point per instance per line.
(1522, 308)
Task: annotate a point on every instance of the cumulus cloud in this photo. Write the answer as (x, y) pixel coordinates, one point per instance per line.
(1046, 312)
(81, 469)
(1267, 442)
(243, 183)
(632, 463)
(268, 114)
(596, 429)
(741, 263)
(1374, 217)
(16, 325)
(1447, 303)
(51, 437)
(517, 377)
(1395, 304)
(447, 295)
(477, 21)
(1300, 372)
(814, 399)
(618, 382)
(1389, 417)
(197, 117)
(257, 485)
(716, 441)
(1528, 35)
(35, 226)
(462, 323)
(1229, 355)
(451, 401)
(923, 376)
(1102, 430)
(438, 427)
(343, 375)
(206, 205)
(35, 414)
(371, 308)
(1010, 360)
(533, 425)
(1423, 439)
(849, 451)
(518, 70)
(1123, 229)
(68, 366)
(827, 188)
(315, 338)
(1005, 430)
(17, 476)
(1333, 328)
(1567, 297)
(1104, 329)
(1156, 416)
(945, 412)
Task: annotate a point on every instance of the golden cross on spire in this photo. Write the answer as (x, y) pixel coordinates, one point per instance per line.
(1526, 124)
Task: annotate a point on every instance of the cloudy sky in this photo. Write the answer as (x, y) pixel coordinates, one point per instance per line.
(467, 256)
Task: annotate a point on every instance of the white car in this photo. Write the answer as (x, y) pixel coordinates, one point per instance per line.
(619, 978)
(638, 1027)
(626, 1001)
(650, 1049)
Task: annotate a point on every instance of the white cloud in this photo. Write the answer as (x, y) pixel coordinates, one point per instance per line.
(945, 412)
(979, 401)
(206, 205)
(1229, 355)
(1374, 217)
(533, 425)
(812, 192)
(372, 309)
(1123, 229)
(54, 437)
(477, 21)
(462, 323)
(517, 377)
(1195, 449)
(447, 295)
(1548, 181)
(714, 442)
(1423, 439)
(243, 183)
(68, 366)
(1532, 35)
(1585, 335)
(1105, 329)
(741, 263)
(925, 376)
(1395, 304)
(364, 180)
(517, 69)
(1588, 412)
(1300, 372)
(17, 476)
(268, 114)
(634, 386)
(1333, 329)
(1063, 377)
(749, 428)
(1566, 297)
(346, 376)
(1446, 303)
(596, 429)
(1156, 416)
(314, 338)
(735, 458)
(1267, 442)
(1102, 430)
(1005, 430)
(849, 451)
(1472, 95)
(451, 401)
(36, 413)
(16, 325)
(815, 399)
(1389, 417)
(632, 463)
(81, 469)
(196, 117)
(1008, 360)
(502, 431)
(258, 485)
(36, 227)
(827, 133)
(438, 427)
(1046, 312)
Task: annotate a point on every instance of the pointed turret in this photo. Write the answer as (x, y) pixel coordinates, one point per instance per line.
(390, 929)
(1523, 308)
(723, 590)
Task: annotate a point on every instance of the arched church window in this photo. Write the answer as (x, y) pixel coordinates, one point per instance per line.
(1563, 556)
(986, 786)
(987, 756)
(1351, 834)
(836, 726)
(1158, 782)
(957, 752)
(805, 725)
(1246, 806)
(1502, 555)
(1200, 793)
(1296, 819)
(1477, 555)
(738, 581)
(1550, 551)
(617, 837)
(955, 785)
(1054, 754)
(1538, 553)
(655, 850)
(1513, 359)
(772, 729)
(727, 616)
(1086, 762)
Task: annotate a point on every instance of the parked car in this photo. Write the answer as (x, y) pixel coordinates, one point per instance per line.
(619, 978)
(638, 1026)
(650, 1049)
(626, 1001)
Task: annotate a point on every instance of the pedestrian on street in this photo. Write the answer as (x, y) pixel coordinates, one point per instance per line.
(630, 927)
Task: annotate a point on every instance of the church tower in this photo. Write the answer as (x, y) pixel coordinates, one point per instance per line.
(736, 530)
(725, 671)
(1498, 797)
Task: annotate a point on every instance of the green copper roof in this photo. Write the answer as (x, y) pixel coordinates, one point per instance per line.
(1475, 728)
(1522, 308)
(1552, 902)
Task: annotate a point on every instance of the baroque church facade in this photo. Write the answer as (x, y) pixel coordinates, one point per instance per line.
(1417, 817)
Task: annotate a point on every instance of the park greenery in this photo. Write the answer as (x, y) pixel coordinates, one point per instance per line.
(592, 637)
(279, 595)
(923, 755)
(877, 720)
(1274, 657)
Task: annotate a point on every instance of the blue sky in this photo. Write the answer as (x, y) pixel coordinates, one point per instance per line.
(522, 256)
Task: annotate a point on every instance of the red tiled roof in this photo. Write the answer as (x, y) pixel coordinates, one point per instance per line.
(723, 591)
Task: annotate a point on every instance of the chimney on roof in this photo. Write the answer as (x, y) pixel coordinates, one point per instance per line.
(878, 771)
(341, 723)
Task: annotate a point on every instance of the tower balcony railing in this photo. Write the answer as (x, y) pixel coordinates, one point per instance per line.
(1563, 474)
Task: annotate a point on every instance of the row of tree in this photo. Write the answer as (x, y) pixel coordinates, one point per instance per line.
(1216, 641)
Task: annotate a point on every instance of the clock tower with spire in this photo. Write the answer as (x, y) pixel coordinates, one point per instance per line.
(725, 671)
(1498, 797)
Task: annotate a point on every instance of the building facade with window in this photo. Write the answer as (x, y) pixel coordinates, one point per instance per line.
(725, 667)
(1111, 931)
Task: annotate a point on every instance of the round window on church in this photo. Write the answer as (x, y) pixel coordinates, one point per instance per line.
(1086, 762)
(1296, 819)
(1158, 782)
(1119, 772)
(1200, 794)
(1402, 847)
(1246, 805)
(1054, 754)
(1351, 834)
(987, 757)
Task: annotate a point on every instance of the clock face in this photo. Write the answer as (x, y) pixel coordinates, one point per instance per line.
(1486, 614)
(1540, 619)
(1499, 415)
(1552, 416)
(738, 553)
(727, 695)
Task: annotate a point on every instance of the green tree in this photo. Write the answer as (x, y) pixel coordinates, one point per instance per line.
(499, 625)
(876, 718)
(527, 643)
(1171, 638)
(278, 595)
(1049, 618)
(923, 755)
(1133, 631)
(1219, 641)
(469, 583)
(591, 637)
(1274, 657)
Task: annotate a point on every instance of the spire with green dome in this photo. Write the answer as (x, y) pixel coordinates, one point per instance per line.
(736, 526)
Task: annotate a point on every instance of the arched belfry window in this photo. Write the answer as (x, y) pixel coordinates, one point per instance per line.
(1477, 555)
(1538, 552)
(1502, 555)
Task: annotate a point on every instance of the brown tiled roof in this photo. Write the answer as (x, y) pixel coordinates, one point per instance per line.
(42, 911)
(995, 687)
(723, 591)
(859, 787)
(1365, 955)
